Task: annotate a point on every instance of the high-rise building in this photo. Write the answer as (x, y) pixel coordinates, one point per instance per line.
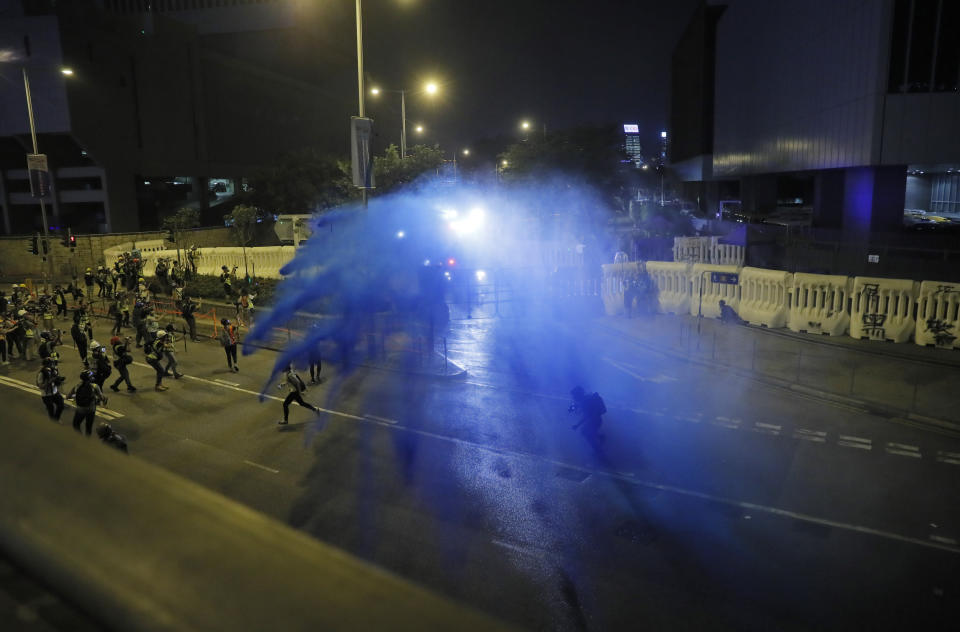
(632, 145)
(170, 103)
(850, 107)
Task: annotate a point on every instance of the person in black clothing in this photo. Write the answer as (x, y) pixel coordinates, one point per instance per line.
(153, 359)
(88, 278)
(49, 381)
(86, 395)
(3, 304)
(591, 408)
(728, 314)
(297, 388)
(122, 359)
(79, 339)
(111, 438)
(48, 342)
(101, 366)
(187, 309)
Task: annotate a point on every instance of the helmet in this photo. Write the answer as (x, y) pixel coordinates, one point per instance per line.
(95, 345)
(22, 312)
(140, 279)
(45, 335)
(115, 341)
(224, 322)
(104, 430)
(23, 285)
(88, 270)
(161, 333)
(223, 267)
(86, 376)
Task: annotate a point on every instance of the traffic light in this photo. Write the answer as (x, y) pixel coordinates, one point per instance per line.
(71, 240)
(34, 247)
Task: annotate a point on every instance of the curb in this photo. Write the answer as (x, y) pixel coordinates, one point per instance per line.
(875, 408)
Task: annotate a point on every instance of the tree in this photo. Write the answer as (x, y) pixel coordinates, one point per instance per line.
(591, 157)
(391, 172)
(302, 181)
(183, 219)
(243, 221)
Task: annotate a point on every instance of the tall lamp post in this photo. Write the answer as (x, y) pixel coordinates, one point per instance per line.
(47, 252)
(429, 88)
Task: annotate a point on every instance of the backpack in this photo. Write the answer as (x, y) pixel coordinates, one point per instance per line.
(84, 394)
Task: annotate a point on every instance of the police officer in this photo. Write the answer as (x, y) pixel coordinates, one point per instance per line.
(122, 359)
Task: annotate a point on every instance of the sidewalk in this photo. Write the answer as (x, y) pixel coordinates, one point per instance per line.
(895, 380)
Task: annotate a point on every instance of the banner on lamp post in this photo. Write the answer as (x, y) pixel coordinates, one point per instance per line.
(361, 131)
(39, 175)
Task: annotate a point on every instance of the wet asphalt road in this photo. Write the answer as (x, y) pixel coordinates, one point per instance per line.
(714, 502)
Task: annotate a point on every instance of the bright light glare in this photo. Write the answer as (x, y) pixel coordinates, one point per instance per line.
(645, 167)
(663, 134)
(431, 88)
(450, 262)
(466, 152)
(481, 275)
(525, 125)
(448, 213)
(472, 223)
(400, 234)
(505, 163)
(374, 91)
(67, 71)
(419, 129)
(426, 262)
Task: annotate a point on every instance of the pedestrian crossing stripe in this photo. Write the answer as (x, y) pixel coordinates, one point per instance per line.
(106, 413)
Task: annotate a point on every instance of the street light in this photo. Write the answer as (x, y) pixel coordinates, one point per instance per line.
(418, 129)
(525, 125)
(67, 71)
(466, 152)
(430, 88)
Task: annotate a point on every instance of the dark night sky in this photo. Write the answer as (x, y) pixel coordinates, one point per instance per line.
(562, 62)
(559, 62)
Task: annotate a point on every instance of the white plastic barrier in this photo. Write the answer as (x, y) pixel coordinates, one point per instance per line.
(883, 309)
(265, 261)
(706, 250)
(763, 296)
(614, 278)
(672, 279)
(726, 254)
(708, 303)
(818, 304)
(938, 315)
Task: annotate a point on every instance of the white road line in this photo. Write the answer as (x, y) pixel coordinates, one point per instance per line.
(855, 444)
(769, 429)
(262, 467)
(383, 419)
(948, 457)
(902, 449)
(817, 436)
(693, 420)
(724, 422)
(915, 455)
(226, 382)
(249, 392)
(33, 390)
(943, 540)
(904, 446)
(855, 439)
(515, 548)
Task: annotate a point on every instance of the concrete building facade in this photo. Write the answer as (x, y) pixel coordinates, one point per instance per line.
(826, 104)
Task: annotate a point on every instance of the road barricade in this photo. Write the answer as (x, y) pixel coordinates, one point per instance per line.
(883, 309)
(672, 279)
(938, 315)
(818, 304)
(705, 295)
(763, 296)
(615, 276)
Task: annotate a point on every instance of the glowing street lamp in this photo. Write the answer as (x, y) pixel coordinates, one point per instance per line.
(525, 125)
(418, 129)
(67, 71)
(430, 88)
(466, 152)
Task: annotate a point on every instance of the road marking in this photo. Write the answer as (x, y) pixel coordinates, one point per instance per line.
(516, 548)
(903, 449)
(659, 378)
(725, 422)
(948, 457)
(693, 420)
(860, 443)
(249, 392)
(262, 467)
(770, 429)
(383, 419)
(33, 390)
(226, 382)
(943, 540)
(817, 436)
